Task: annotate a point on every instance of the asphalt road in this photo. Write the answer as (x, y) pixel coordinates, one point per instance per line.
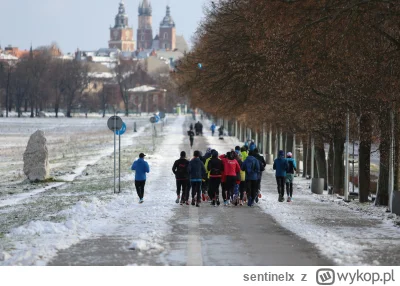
(204, 236)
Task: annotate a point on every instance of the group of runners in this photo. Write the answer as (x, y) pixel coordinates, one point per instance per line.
(237, 172)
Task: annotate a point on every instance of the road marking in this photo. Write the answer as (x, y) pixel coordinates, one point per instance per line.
(194, 256)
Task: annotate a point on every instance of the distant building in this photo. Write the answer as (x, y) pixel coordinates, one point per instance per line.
(121, 35)
(145, 30)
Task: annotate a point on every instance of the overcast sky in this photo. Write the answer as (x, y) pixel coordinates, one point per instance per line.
(84, 23)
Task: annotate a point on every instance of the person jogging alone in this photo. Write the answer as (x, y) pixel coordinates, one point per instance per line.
(191, 137)
(291, 169)
(280, 167)
(141, 167)
(197, 172)
(180, 169)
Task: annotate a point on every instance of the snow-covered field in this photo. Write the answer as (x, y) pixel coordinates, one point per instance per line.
(40, 219)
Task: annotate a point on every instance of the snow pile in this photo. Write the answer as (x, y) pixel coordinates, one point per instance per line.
(101, 75)
(143, 88)
(50, 114)
(143, 245)
(15, 114)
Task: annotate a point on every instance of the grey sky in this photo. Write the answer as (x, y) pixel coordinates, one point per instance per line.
(84, 23)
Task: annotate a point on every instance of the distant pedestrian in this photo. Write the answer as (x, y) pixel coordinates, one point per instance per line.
(191, 126)
(280, 167)
(191, 137)
(291, 169)
(213, 127)
(197, 172)
(181, 171)
(141, 167)
(252, 145)
(221, 132)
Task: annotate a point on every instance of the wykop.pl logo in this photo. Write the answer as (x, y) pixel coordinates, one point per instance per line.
(325, 276)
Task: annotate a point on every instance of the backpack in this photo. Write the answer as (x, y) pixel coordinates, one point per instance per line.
(215, 171)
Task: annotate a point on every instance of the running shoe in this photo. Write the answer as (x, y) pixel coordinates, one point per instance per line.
(177, 200)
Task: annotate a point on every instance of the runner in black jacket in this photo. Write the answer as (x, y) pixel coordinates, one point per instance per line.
(181, 171)
(215, 168)
(261, 159)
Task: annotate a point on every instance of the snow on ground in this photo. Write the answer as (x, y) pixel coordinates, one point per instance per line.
(348, 233)
(37, 241)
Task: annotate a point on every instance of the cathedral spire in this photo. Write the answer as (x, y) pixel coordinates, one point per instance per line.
(168, 21)
(121, 20)
(145, 8)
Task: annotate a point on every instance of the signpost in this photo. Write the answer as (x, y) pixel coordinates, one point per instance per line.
(114, 123)
(119, 133)
(152, 121)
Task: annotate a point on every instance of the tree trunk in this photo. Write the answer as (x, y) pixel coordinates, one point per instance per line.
(396, 186)
(289, 143)
(32, 109)
(382, 197)
(331, 157)
(338, 167)
(56, 110)
(308, 159)
(26, 105)
(305, 155)
(320, 161)
(364, 158)
(8, 90)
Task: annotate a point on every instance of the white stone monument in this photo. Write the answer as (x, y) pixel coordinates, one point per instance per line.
(36, 158)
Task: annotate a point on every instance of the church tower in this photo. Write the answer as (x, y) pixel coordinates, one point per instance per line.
(121, 36)
(145, 29)
(167, 32)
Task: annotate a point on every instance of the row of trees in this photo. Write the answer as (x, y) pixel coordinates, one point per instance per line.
(39, 80)
(300, 67)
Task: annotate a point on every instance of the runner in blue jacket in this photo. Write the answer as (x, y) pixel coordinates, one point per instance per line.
(280, 167)
(141, 167)
(252, 167)
(197, 172)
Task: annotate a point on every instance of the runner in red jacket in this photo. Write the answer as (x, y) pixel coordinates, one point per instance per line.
(231, 168)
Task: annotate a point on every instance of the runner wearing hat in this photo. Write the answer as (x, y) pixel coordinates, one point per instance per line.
(280, 167)
(141, 167)
(180, 169)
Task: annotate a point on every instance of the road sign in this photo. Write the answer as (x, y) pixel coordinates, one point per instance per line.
(162, 115)
(153, 119)
(114, 123)
(157, 118)
(122, 130)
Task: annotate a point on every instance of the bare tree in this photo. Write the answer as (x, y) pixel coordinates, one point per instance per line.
(76, 81)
